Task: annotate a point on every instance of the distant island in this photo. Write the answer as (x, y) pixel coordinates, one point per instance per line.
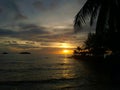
(24, 53)
(4, 53)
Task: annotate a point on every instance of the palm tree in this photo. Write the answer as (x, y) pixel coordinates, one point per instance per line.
(95, 45)
(107, 14)
(77, 50)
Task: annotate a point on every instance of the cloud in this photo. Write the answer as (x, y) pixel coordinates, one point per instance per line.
(10, 12)
(25, 32)
(54, 3)
(24, 46)
(28, 26)
(0, 10)
(6, 32)
(32, 34)
(42, 5)
(19, 16)
(39, 5)
(32, 30)
(19, 43)
(51, 25)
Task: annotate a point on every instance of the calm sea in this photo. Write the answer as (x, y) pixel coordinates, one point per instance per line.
(50, 72)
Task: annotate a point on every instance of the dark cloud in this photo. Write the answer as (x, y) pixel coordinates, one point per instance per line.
(23, 46)
(36, 33)
(11, 11)
(10, 42)
(6, 32)
(27, 31)
(29, 26)
(39, 5)
(54, 3)
(32, 29)
(19, 16)
(0, 9)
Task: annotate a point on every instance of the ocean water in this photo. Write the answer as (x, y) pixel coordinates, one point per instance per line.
(51, 72)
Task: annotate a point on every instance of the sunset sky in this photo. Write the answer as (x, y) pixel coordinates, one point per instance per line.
(39, 25)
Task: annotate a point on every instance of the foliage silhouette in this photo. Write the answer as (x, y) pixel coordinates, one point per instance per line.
(107, 13)
(95, 44)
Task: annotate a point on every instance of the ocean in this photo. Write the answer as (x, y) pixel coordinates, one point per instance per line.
(51, 72)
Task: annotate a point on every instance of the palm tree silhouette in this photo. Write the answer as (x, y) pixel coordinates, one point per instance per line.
(107, 14)
(77, 50)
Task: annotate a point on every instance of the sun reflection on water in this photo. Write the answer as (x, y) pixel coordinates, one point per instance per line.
(68, 71)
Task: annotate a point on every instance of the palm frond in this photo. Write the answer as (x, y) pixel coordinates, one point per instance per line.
(89, 9)
(94, 15)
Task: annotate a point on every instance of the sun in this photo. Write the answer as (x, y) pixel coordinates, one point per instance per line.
(65, 51)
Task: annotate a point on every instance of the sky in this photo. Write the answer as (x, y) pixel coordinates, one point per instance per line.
(39, 25)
